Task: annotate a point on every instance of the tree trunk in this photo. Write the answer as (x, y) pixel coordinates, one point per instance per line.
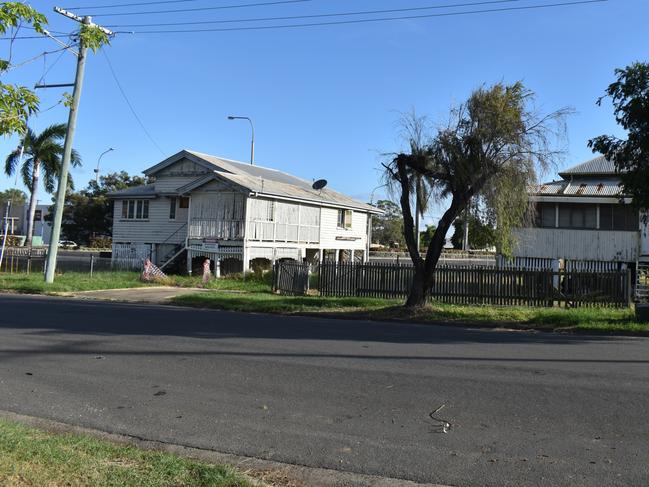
(36, 174)
(418, 291)
(424, 277)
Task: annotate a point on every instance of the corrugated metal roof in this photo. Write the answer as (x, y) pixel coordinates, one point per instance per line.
(599, 165)
(582, 187)
(259, 179)
(137, 191)
(237, 167)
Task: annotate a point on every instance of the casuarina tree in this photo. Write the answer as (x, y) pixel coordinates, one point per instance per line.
(630, 97)
(488, 154)
(41, 159)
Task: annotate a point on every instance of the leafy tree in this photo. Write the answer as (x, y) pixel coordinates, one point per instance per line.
(41, 153)
(426, 236)
(387, 229)
(89, 213)
(15, 196)
(17, 102)
(630, 98)
(487, 155)
(482, 233)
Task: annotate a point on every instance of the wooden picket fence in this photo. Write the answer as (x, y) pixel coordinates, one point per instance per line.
(290, 277)
(504, 287)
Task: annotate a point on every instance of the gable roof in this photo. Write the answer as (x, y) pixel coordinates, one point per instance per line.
(598, 166)
(146, 191)
(260, 180)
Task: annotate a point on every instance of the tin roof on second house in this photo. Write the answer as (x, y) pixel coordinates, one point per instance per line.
(598, 166)
(582, 187)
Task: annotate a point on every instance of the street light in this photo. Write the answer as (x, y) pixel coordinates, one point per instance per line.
(252, 143)
(98, 161)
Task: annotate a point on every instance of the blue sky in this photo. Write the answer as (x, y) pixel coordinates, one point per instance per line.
(325, 100)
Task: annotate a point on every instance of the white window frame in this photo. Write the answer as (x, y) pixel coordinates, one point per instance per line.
(131, 207)
(346, 220)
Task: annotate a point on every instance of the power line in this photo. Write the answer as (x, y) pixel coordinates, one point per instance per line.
(313, 16)
(355, 21)
(135, 115)
(117, 5)
(32, 59)
(380, 19)
(200, 9)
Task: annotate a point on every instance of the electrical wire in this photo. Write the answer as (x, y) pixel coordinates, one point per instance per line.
(314, 16)
(128, 102)
(198, 9)
(347, 22)
(117, 5)
(35, 37)
(380, 19)
(49, 68)
(35, 58)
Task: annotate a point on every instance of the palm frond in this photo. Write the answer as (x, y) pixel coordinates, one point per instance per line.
(52, 133)
(11, 162)
(26, 172)
(75, 159)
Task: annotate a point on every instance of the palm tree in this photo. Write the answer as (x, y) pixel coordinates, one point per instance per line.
(42, 153)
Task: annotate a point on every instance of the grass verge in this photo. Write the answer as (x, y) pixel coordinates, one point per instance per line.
(30, 456)
(608, 320)
(78, 281)
(69, 282)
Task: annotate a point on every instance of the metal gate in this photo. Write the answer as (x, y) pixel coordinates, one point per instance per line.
(290, 277)
(642, 284)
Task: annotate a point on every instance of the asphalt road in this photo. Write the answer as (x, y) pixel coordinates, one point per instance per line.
(526, 409)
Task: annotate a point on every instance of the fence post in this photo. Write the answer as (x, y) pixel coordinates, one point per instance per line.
(629, 287)
(92, 264)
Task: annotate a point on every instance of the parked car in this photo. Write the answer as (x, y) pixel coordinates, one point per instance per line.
(68, 244)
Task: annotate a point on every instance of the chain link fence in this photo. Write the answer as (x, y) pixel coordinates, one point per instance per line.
(23, 261)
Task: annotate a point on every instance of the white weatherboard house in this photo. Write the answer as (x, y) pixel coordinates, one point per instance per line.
(585, 216)
(235, 214)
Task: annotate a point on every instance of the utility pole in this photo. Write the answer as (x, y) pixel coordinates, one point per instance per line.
(465, 232)
(67, 148)
(417, 213)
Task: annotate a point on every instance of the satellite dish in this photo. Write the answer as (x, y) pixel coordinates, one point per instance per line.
(319, 184)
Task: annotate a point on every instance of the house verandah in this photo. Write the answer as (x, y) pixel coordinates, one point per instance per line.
(239, 216)
(585, 219)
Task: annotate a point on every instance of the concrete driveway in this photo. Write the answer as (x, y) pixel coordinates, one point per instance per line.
(152, 295)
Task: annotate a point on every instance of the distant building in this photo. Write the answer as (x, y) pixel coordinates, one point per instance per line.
(18, 217)
(585, 216)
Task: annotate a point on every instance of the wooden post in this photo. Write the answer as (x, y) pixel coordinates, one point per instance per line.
(92, 264)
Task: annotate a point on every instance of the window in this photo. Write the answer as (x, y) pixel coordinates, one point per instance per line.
(574, 215)
(618, 217)
(345, 219)
(546, 215)
(172, 208)
(135, 209)
(183, 202)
